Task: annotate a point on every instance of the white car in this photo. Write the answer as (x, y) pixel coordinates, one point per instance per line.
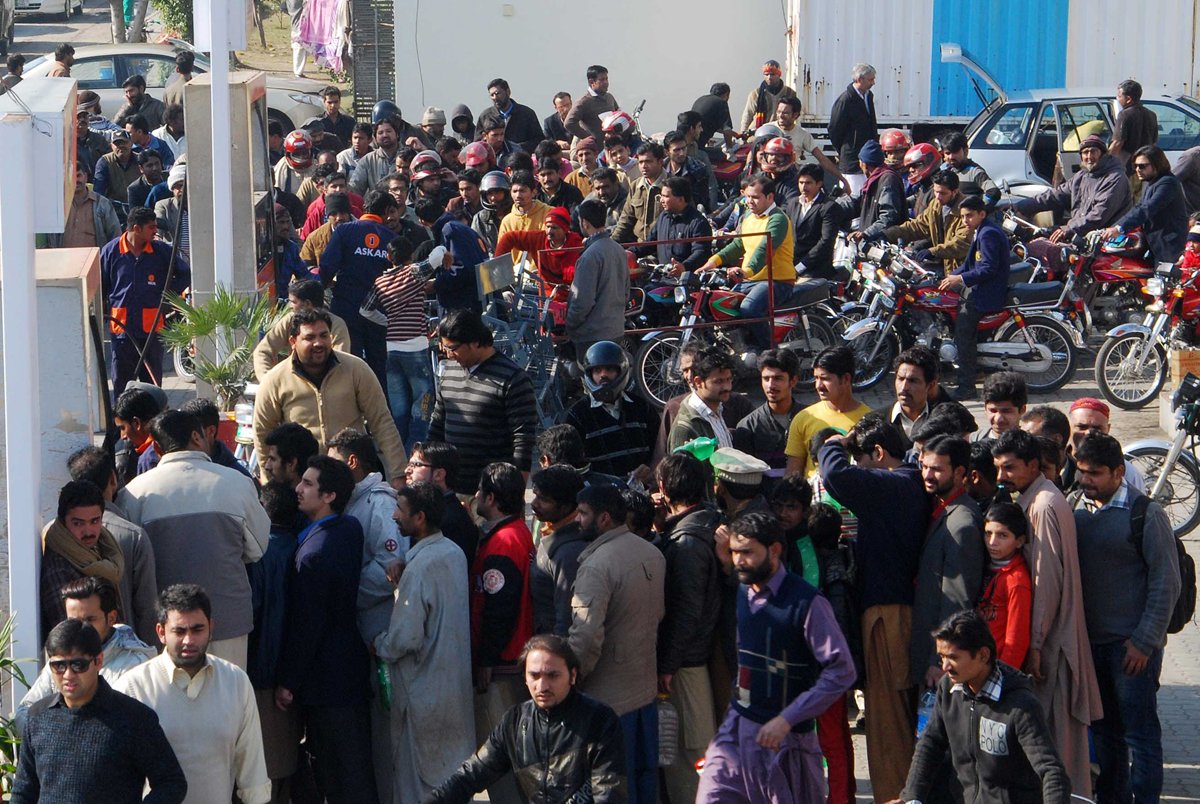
(63, 8)
(103, 68)
(1019, 136)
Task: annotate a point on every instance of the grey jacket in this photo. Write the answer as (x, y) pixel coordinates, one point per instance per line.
(185, 495)
(139, 584)
(599, 292)
(371, 170)
(1095, 199)
(616, 609)
(104, 221)
(372, 504)
(949, 578)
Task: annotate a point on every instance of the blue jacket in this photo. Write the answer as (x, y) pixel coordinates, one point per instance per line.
(986, 268)
(324, 661)
(133, 284)
(268, 595)
(455, 287)
(1162, 214)
(890, 536)
(356, 256)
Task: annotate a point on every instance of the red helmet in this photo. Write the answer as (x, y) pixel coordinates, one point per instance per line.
(893, 139)
(924, 157)
(427, 173)
(298, 148)
(476, 155)
(617, 122)
(781, 146)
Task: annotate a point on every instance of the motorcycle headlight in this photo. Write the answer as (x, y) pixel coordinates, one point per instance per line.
(1154, 286)
(680, 294)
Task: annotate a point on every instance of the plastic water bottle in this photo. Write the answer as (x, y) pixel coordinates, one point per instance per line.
(668, 732)
(385, 684)
(925, 710)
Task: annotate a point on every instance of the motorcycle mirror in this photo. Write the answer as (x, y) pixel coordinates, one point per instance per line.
(876, 253)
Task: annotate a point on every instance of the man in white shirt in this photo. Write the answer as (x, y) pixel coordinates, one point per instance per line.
(787, 117)
(205, 704)
(700, 413)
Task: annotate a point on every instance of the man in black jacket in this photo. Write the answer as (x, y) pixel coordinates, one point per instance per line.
(561, 729)
(988, 723)
(852, 122)
(521, 125)
(815, 220)
(436, 462)
(694, 591)
(680, 219)
(560, 541)
(325, 668)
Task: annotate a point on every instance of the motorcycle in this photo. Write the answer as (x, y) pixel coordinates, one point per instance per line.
(800, 325)
(1109, 274)
(1132, 364)
(1030, 335)
(1171, 468)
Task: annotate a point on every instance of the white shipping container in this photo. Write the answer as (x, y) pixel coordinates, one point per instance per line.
(1107, 45)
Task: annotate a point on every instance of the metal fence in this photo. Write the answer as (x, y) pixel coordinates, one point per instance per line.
(373, 68)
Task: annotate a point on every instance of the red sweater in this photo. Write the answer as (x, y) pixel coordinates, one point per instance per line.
(316, 213)
(555, 267)
(1006, 606)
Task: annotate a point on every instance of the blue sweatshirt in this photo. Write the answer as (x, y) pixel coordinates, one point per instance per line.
(986, 268)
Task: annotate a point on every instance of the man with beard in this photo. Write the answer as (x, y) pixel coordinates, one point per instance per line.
(205, 704)
(501, 610)
(763, 101)
(918, 391)
(764, 432)
(883, 203)
(793, 664)
(521, 126)
(560, 541)
(950, 575)
(610, 190)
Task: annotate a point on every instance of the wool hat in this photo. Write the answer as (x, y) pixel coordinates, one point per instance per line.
(433, 116)
(1093, 141)
(1193, 234)
(177, 175)
(588, 143)
(337, 204)
(560, 216)
(736, 466)
(871, 154)
(1091, 403)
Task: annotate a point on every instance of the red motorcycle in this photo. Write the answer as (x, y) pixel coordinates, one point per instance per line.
(799, 325)
(1109, 274)
(1031, 335)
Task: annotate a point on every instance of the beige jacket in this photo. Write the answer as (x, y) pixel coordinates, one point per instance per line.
(615, 611)
(275, 344)
(349, 396)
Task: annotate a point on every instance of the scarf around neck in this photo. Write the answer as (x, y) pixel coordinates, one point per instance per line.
(104, 560)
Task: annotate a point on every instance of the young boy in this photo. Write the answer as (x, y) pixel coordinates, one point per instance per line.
(1007, 601)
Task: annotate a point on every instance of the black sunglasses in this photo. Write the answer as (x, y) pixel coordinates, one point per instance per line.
(59, 666)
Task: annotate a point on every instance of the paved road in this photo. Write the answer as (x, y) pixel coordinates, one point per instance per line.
(37, 34)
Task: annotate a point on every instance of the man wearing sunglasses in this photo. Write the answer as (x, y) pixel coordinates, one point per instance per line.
(87, 738)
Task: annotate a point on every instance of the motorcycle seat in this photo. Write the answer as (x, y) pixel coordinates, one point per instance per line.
(1020, 272)
(807, 292)
(1034, 293)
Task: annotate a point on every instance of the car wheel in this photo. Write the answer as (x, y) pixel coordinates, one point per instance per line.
(274, 115)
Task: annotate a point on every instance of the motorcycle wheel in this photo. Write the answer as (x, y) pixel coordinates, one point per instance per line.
(184, 367)
(1115, 373)
(806, 344)
(1050, 333)
(1180, 496)
(656, 369)
(867, 372)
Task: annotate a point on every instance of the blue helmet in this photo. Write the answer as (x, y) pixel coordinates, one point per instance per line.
(384, 110)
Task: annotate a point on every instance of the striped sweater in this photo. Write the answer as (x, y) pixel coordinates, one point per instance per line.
(402, 296)
(488, 414)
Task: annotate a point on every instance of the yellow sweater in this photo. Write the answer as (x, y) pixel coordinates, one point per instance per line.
(753, 247)
(516, 221)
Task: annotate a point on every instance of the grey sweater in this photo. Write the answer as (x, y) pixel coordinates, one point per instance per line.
(1127, 595)
(596, 310)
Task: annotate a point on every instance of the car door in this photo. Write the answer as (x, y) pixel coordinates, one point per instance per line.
(1000, 144)
(1078, 120)
(158, 70)
(100, 74)
(1178, 127)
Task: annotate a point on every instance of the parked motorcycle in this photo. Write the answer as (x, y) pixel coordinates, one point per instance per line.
(1132, 364)
(1171, 468)
(1109, 274)
(1031, 335)
(800, 325)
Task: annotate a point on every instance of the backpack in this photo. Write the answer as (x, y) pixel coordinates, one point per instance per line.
(1185, 604)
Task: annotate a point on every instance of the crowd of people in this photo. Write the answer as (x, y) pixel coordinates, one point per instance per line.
(419, 592)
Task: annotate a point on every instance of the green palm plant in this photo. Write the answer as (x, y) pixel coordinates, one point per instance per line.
(235, 323)
(10, 739)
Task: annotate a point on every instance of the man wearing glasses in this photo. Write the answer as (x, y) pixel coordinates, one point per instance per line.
(1161, 212)
(87, 737)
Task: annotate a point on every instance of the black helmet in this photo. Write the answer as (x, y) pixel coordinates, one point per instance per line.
(384, 110)
(493, 180)
(606, 353)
